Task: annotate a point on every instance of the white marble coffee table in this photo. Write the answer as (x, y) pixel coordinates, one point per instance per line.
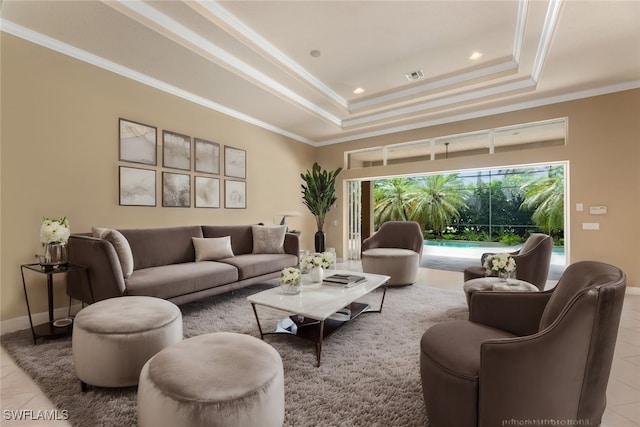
(315, 310)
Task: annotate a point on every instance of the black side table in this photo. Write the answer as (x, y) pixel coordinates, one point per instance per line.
(48, 329)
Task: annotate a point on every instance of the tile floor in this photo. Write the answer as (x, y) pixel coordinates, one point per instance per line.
(18, 392)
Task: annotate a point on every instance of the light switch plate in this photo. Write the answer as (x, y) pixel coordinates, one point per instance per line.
(591, 226)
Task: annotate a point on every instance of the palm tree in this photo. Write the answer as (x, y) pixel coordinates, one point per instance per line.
(436, 201)
(546, 196)
(390, 200)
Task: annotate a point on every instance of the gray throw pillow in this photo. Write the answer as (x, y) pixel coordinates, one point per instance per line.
(121, 245)
(212, 248)
(268, 239)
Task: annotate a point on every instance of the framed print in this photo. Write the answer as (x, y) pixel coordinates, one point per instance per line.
(235, 162)
(137, 187)
(137, 143)
(207, 192)
(176, 152)
(235, 194)
(176, 190)
(207, 156)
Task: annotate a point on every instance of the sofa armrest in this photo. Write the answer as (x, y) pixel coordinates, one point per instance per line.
(292, 244)
(515, 312)
(103, 270)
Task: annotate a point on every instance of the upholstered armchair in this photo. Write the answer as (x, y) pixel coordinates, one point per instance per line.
(527, 356)
(532, 261)
(394, 250)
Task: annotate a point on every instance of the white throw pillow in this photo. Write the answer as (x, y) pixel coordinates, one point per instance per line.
(121, 245)
(212, 248)
(268, 239)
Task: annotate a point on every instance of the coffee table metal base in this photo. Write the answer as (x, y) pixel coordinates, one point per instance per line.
(316, 330)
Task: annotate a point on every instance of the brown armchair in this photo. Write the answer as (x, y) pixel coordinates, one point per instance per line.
(532, 261)
(394, 250)
(527, 356)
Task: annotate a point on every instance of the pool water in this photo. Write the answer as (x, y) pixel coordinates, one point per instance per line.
(474, 249)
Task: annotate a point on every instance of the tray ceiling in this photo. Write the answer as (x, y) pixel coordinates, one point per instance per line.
(292, 67)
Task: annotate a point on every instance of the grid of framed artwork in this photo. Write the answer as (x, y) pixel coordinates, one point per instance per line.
(190, 170)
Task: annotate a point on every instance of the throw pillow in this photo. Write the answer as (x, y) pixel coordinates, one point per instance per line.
(121, 245)
(212, 248)
(268, 239)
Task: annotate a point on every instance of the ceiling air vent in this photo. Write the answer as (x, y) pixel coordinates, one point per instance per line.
(414, 75)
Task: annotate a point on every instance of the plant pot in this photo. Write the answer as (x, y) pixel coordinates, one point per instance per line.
(320, 240)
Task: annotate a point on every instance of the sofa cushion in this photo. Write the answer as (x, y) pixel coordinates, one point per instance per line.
(241, 236)
(212, 248)
(170, 281)
(268, 239)
(153, 247)
(120, 244)
(252, 265)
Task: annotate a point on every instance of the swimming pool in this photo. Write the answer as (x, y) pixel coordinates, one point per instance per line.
(475, 249)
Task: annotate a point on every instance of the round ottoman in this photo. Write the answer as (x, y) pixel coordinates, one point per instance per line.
(400, 264)
(219, 379)
(112, 339)
(496, 284)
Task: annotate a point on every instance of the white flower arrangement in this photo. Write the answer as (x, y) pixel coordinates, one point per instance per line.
(502, 263)
(290, 276)
(54, 230)
(324, 260)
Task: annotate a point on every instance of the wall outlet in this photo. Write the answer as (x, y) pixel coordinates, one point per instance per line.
(591, 226)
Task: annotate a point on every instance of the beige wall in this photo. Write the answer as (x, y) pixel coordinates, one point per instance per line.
(603, 152)
(60, 157)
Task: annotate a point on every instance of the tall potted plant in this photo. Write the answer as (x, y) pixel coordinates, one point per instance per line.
(319, 194)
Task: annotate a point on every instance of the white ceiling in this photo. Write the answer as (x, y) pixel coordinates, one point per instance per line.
(251, 59)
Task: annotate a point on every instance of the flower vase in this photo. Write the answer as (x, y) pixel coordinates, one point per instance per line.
(506, 275)
(55, 254)
(291, 288)
(316, 274)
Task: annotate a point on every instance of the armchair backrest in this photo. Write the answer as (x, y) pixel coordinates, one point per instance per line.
(397, 234)
(533, 259)
(575, 279)
(586, 305)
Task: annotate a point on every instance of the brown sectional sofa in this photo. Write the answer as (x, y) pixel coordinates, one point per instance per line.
(165, 266)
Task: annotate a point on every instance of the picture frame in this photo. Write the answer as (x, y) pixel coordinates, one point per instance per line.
(137, 186)
(137, 142)
(207, 192)
(176, 190)
(235, 194)
(176, 150)
(235, 162)
(207, 156)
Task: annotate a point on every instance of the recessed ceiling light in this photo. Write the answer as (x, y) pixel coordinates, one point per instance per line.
(475, 55)
(315, 53)
(358, 90)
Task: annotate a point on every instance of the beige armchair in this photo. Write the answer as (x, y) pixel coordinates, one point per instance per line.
(528, 356)
(394, 250)
(532, 261)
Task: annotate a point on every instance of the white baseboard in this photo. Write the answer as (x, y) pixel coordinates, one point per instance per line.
(633, 290)
(22, 322)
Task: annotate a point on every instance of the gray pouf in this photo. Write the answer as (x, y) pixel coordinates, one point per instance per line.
(114, 338)
(220, 379)
(400, 264)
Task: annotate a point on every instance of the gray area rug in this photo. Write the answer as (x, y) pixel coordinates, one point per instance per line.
(369, 375)
(438, 262)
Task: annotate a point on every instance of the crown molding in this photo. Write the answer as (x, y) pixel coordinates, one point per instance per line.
(65, 49)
